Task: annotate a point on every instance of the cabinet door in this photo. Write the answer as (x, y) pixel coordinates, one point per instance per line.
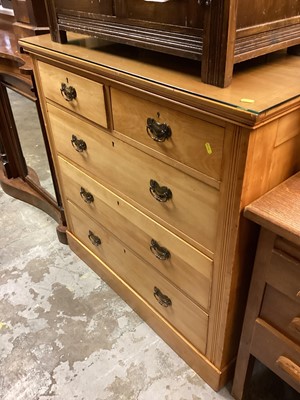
(264, 12)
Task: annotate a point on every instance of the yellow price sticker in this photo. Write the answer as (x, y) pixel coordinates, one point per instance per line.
(208, 148)
(247, 100)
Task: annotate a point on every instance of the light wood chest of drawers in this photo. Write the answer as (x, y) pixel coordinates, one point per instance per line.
(155, 168)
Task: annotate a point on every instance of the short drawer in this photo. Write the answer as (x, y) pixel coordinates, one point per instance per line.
(183, 204)
(189, 140)
(277, 352)
(283, 273)
(182, 264)
(177, 309)
(74, 92)
(282, 313)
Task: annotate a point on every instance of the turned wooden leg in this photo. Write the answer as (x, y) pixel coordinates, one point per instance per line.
(245, 361)
(243, 374)
(61, 233)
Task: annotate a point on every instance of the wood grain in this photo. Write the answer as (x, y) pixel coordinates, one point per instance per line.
(130, 175)
(187, 268)
(268, 84)
(183, 314)
(215, 377)
(89, 101)
(274, 212)
(281, 355)
(193, 142)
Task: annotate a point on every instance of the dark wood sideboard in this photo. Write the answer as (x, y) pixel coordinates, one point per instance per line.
(220, 33)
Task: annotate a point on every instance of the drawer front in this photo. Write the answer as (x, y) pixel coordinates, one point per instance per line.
(277, 352)
(179, 262)
(284, 275)
(192, 206)
(176, 12)
(182, 313)
(58, 85)
(191, 141)
(85, 6)
(282, 313)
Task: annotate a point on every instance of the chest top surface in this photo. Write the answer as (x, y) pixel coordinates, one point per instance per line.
(256, 93)
(279, 209)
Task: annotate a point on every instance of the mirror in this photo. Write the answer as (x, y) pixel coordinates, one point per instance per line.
(31, 138)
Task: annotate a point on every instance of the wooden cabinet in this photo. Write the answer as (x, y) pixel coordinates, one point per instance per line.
(271, 331)
(220, 33)
(154, 168)
(30, 18)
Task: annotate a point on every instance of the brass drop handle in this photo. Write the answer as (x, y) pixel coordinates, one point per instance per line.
(157, 131)
(95, 240)
(68, 92)
(163, 299)
(78, 144)
(86, 196)
(160, 193)
(160, 252)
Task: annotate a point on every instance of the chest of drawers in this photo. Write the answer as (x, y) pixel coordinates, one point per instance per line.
(155, 168)
(271, 330)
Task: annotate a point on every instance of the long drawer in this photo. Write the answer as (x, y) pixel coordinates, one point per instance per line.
(281, 312)
(179, 262)
(281, 355)
(182, 203)
(176, 308)
(189, 140)
(74, 92)
(283, 274)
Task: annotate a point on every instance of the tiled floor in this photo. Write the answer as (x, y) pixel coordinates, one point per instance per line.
(64, 334)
